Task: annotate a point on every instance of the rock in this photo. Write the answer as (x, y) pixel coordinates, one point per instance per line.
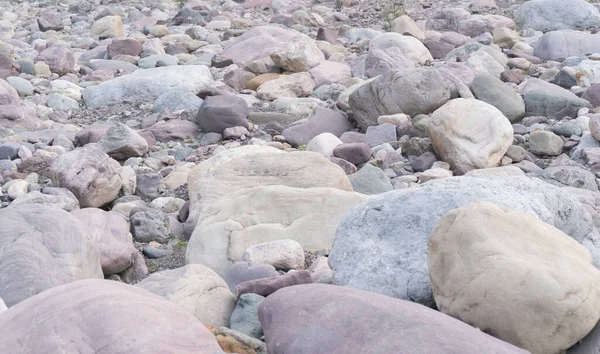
(484, 239)
(423, 91)
(483, 62)
(108, 27)
(322, 120)
(323, 144)
(569, 176)
(355, 153)
(149, 84)
(560, 45)
(61, 102)
(257, 43)
(124, 46)
(345, 315)
(505, 37)
(240, 219)
(121, 142)
(390, 231)
(62, 198)
(552, 15)
(381, 134)
(92, 313)
(410, 46)
(470, 134)
(153, 61)
(60, 59)
(490, 89)
(174, 129)
(370, 180)
(423, 162)
(512, 76)
(298, 54)
(330, 72)
(40, 253)
(245, 315)
(380, 61)
(220, 112)
(195, 288)
(268, 286)
(178, 100)
(294, 85)
(545, 143)
(545, 99)
(23, 87)
(8, 95)
(109, 232)
(406, 26)
(89, 173)
(240, 272)
(150, 225)
(236, 342)
(281, 254)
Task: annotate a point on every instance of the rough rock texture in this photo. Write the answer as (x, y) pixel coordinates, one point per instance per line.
(267, 286)
(389, 232)
(559, 45)
(492, 90)
(220, 112)
(227, 227)
(121, 142)
(89, 316)
(552, 15)
(513, 276)
(545, 99)
(346, 315)
(411, 91)
(148, 85)
(89, 173)
(197, 289)
(470, 134)
(42, 247)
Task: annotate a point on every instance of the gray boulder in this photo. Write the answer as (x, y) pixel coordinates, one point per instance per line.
(42, 247)
(330, 319)
(241, 272)
(411, 91)
(245, 315)
(178, 100)
(545, 99)
(380, 61)
(490, 89)
(381, 245)
(370, 180)
(121, 142)
(222, 111)
(90, 316)
(560, 45)
(150, 225)
(322, 120)
(571, 176)
(552, 15)
(144, 85)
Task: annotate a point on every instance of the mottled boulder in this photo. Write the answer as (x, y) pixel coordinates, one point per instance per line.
(60, 59)
(220, 112)
(553, 15)
(121, 142)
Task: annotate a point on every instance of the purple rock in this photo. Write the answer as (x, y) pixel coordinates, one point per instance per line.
(267, 286)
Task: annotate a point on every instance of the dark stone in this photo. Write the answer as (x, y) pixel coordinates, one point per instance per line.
(267, 286)
(241, 272)
(424, 162)
(220, 112)
(355, 153)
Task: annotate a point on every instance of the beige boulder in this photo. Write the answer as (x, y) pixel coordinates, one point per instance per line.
(294, 85)
(298, 54)
(513, 276)
(197, 289)
(405, 25)
(410, 46)
(228, 227)
(108, 27)
(470, 134)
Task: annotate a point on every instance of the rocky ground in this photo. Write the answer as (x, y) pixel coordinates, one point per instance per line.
(300, 176)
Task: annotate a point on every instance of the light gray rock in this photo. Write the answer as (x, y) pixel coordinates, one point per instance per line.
(570, 176)
(148, 84)
(178, 100)
(61, 102)
(197, 289)
(490, 89)
(370, 180)
(389, 233)
(411, 91)
(153, 60)
(545, 143)
(150, 225)
(121, 142)
(42, 247)
(23, 87)
(552, 15)
(545, 99)
(281, 254)
(560, 45)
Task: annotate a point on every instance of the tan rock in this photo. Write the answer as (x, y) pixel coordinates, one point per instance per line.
(256, 81)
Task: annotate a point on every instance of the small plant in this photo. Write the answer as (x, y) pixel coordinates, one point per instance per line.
(181, 244)
(180, 3)
(153, 269)
(393, 11)
(302, 147)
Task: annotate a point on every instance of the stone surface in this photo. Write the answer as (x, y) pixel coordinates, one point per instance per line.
(552, 15)
(281, 254)
(298, 54)
(245, 315)
(220, 112)
(545, 99)
(43, 247)
(368, 236)
(410, 46)
(121, 142)
(240, 272)
(89, 173)
(490, 89)
(267, 286)
(322, 120)
(560, 45)
(195, 288)
(370, 180)
(479, 256)
(545, 143)
(470, 134)
(89, 316)
(345, 315)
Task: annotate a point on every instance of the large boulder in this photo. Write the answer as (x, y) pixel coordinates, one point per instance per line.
(514, 276)
(553, 15)
(412, 91)
(322, 120)
(381, 245)
(250, 166)
(109, 233)
(89, 173)
(148, 84)
(222, 111)
(470, 134)
(121, 142)
(248, 217)
(409, 45)
(196, 289)
(545, 99)
(42, 247)
(90, 316)
(298, 54)
(560, 45)
(350, 321)
(257, 43)
(490, 89)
